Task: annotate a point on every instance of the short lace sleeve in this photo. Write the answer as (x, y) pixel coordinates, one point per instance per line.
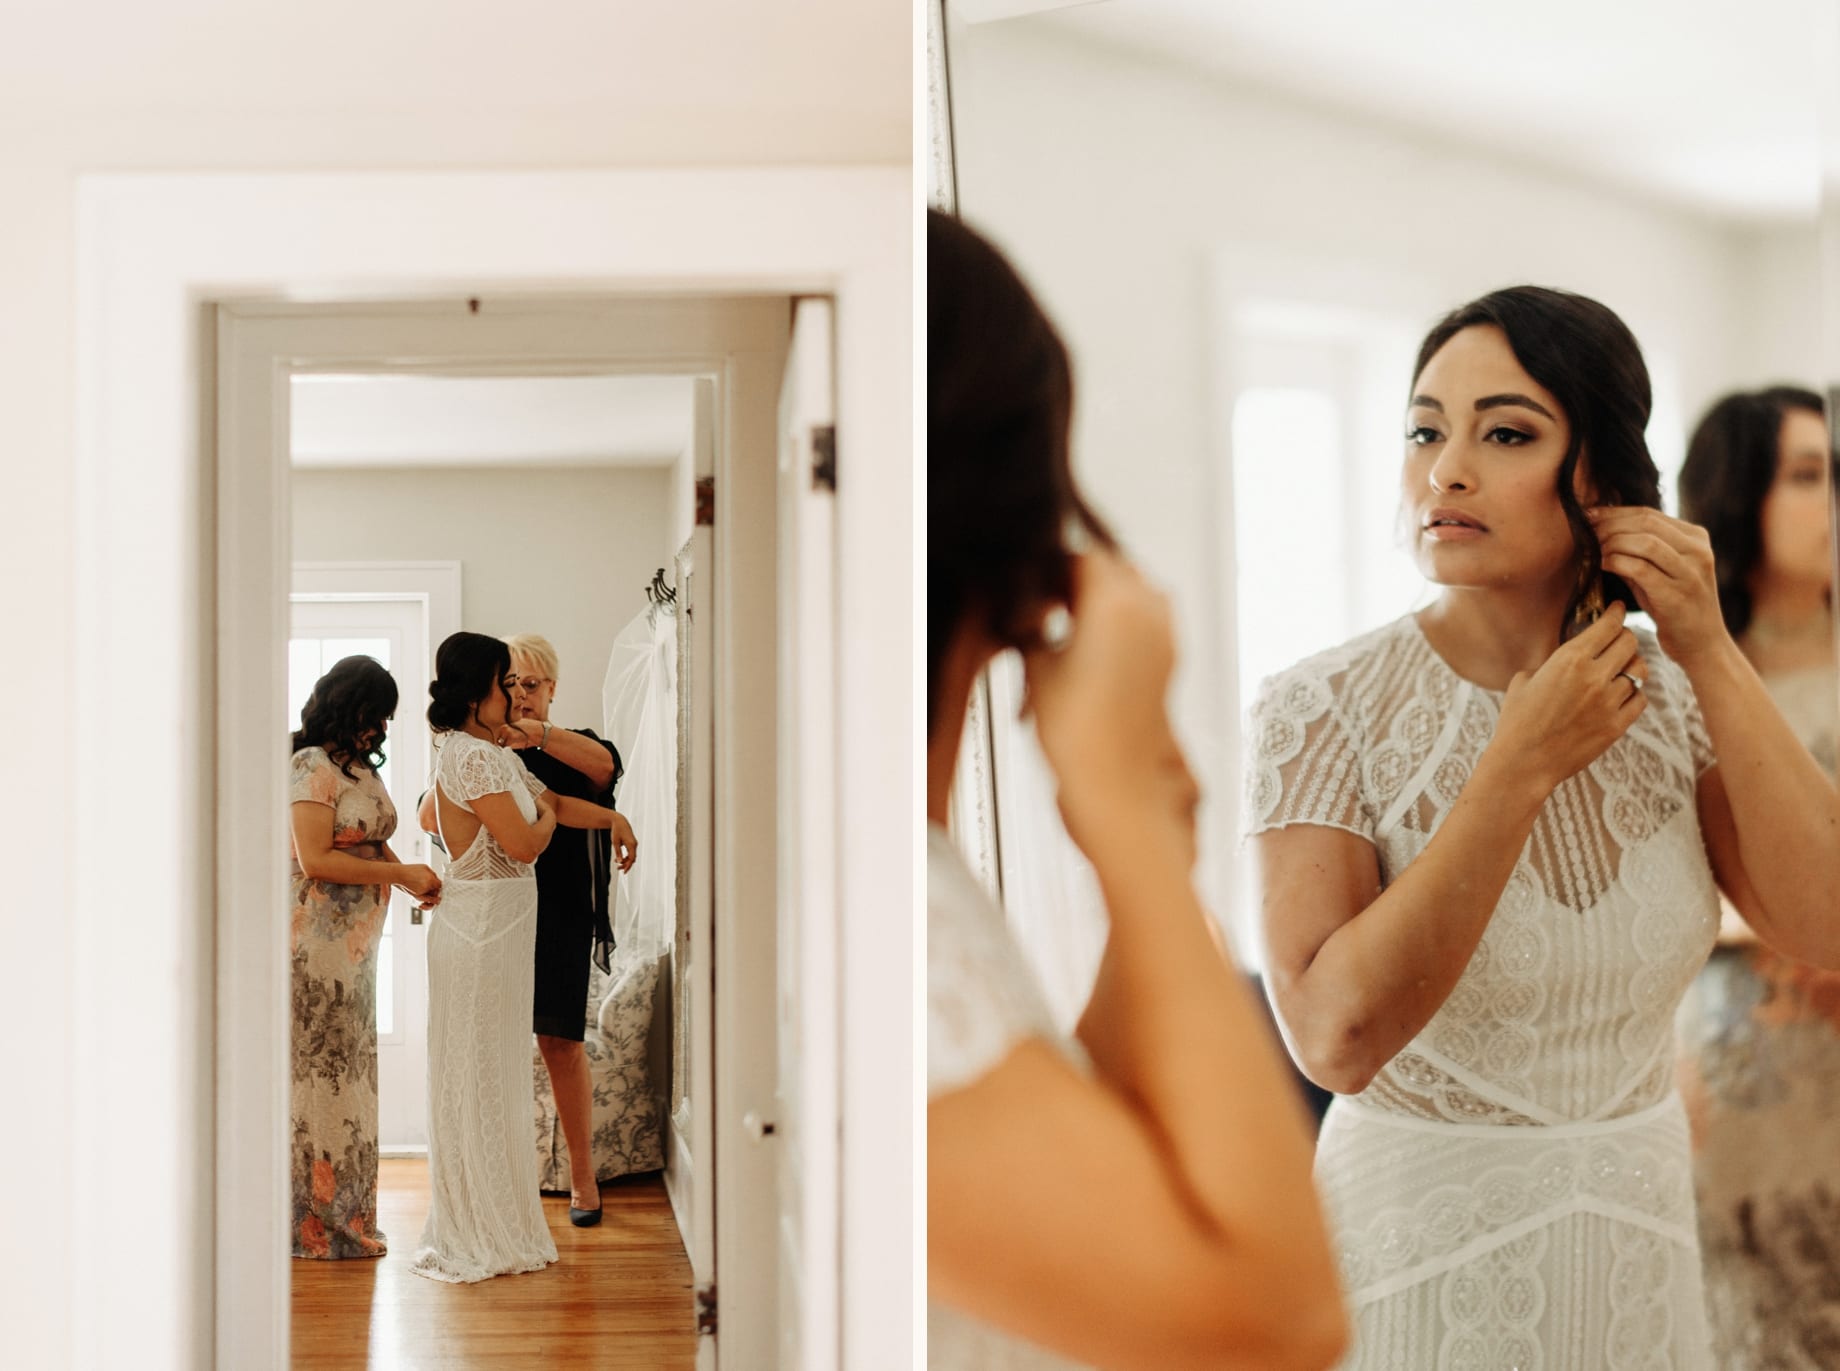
(470, 768)
(981, 998)
(1304, 755)
(312, 777)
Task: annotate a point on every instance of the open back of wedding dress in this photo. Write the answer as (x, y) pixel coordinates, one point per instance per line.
(485, 1217)
(1514, 1188)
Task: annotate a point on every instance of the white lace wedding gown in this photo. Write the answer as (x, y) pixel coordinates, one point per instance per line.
(485, 1217)
(1514, 1188)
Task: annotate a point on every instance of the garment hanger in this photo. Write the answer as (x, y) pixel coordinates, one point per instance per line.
(661, 595)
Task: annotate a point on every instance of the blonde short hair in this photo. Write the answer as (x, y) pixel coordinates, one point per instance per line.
(535, 649)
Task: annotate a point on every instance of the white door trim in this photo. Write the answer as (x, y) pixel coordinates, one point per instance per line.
(741, 343)
(694, 1128)
(436, 582)
(806, 1104)
(153, 251)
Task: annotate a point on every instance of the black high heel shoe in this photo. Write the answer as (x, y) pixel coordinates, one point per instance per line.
(585, 1218)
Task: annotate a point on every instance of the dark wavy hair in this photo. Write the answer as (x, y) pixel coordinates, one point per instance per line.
(356, 696)
(1588, 359)
(466, 667)
(1730, 467)
(1000, 496)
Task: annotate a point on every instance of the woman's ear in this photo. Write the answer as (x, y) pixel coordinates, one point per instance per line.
(1593, 498)
(1584, 482)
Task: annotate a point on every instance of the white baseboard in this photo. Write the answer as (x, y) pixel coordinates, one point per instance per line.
(409, 1151)
(677, 1181)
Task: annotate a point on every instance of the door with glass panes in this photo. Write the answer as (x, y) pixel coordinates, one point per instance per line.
(394, 631)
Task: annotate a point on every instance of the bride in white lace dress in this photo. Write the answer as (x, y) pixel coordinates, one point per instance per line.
(1489, 867)
(485, 1217)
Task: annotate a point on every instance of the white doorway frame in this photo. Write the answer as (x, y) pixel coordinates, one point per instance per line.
(153, 253)
(436, 584)
(739, 343)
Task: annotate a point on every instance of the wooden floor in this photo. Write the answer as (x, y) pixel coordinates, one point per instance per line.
(619, 1297)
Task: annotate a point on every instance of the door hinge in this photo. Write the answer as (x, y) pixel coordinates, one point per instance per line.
(824, 457)
(706, 1310)
(706, 501)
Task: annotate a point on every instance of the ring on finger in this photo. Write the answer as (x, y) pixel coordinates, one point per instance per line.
(1635, 681)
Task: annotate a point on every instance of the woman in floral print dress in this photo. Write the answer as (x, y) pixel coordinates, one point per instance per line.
(1760, 1032)
(342, 870)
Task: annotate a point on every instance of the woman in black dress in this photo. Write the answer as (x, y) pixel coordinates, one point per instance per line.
(573, 913)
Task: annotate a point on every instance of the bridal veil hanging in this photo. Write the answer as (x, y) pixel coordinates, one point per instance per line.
(639, 707)
(628, 1028)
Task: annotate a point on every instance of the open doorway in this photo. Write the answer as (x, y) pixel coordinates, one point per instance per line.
(555, 501)
(421, 436)
(182, 578)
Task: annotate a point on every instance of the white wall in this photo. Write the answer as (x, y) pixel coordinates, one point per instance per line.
(563, 553)
(211, 85)
(1779, 283)
(1135, 197)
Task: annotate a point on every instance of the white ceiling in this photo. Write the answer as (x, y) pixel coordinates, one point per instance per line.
(441, 421)
(795, 80)
(1704, 103)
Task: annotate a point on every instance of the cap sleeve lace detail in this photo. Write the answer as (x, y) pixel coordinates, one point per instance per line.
(982, 999)
(470, 768)
(1305, 763)
(467, 768)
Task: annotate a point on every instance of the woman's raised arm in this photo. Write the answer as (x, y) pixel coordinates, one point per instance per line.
(1356, 971)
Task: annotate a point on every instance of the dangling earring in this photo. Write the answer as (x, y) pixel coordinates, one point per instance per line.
(1590, 608)
(1591, 603)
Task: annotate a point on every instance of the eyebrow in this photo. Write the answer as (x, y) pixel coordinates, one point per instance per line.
(1489, 402)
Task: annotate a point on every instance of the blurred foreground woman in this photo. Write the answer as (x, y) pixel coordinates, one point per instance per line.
(1137, 1196)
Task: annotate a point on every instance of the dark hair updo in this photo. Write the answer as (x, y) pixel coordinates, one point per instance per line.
(1730, 467)
(467, 667)
(355, 698)
(1588, 359)
(1000, 495)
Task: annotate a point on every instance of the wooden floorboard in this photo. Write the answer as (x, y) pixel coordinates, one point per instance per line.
(619, 1297)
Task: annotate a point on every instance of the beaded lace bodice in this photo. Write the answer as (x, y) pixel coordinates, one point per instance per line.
(467, 768)
(1564, 1013)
